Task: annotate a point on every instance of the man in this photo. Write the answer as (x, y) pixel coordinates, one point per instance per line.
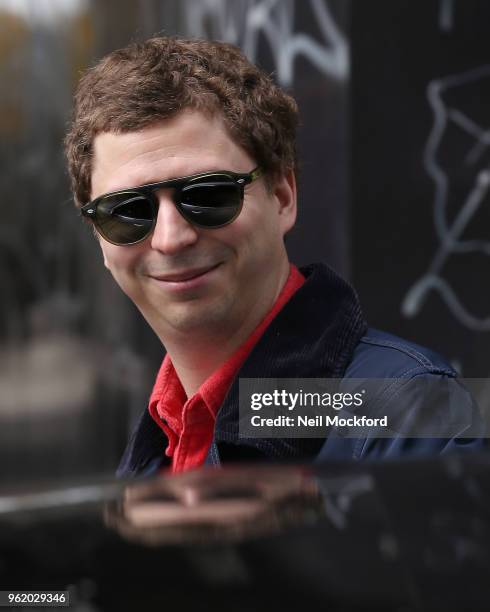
(182, 155)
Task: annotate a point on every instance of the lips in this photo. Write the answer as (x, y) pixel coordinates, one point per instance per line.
(184, 275)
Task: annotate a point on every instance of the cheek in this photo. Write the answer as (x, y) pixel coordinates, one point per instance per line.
(262, 226)
(259, 218)
(118, 259)
(254, 238)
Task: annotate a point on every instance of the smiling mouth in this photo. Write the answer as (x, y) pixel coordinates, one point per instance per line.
(184, 275)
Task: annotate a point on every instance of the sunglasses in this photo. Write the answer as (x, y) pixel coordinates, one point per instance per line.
(209, 200)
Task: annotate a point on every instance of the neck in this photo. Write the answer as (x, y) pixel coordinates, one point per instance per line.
(196, 361)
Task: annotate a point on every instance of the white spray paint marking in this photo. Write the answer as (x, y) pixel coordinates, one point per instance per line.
(242, 22)
(446, 15)
(449, 234)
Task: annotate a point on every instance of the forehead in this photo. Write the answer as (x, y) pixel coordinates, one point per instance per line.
(186, 144)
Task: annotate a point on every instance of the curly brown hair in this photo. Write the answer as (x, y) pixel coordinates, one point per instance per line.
(143, 83)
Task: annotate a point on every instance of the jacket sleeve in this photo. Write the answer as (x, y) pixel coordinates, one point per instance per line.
(430, 414)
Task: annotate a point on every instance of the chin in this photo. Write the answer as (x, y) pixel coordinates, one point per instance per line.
(198, 317)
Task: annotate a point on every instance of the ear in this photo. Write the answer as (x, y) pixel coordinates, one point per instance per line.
(284, 191)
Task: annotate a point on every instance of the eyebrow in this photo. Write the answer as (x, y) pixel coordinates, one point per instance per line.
(174, 178)
(238, 176)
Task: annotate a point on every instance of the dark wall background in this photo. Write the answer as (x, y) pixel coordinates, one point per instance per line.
(420, 207)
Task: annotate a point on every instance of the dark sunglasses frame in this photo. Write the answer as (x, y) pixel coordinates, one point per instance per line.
(179, 184)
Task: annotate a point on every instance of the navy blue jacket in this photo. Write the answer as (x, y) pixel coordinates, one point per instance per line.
(321, 333)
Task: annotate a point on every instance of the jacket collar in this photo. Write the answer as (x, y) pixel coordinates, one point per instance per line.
(313, 336)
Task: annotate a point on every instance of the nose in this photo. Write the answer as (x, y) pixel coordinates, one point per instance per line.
(172, 232)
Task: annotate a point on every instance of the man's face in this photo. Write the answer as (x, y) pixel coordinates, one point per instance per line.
(184, 278)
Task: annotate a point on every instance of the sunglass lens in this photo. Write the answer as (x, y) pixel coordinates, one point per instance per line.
(125, 218)
(210, 204)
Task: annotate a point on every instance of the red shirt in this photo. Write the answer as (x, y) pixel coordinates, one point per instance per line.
(189, 423)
